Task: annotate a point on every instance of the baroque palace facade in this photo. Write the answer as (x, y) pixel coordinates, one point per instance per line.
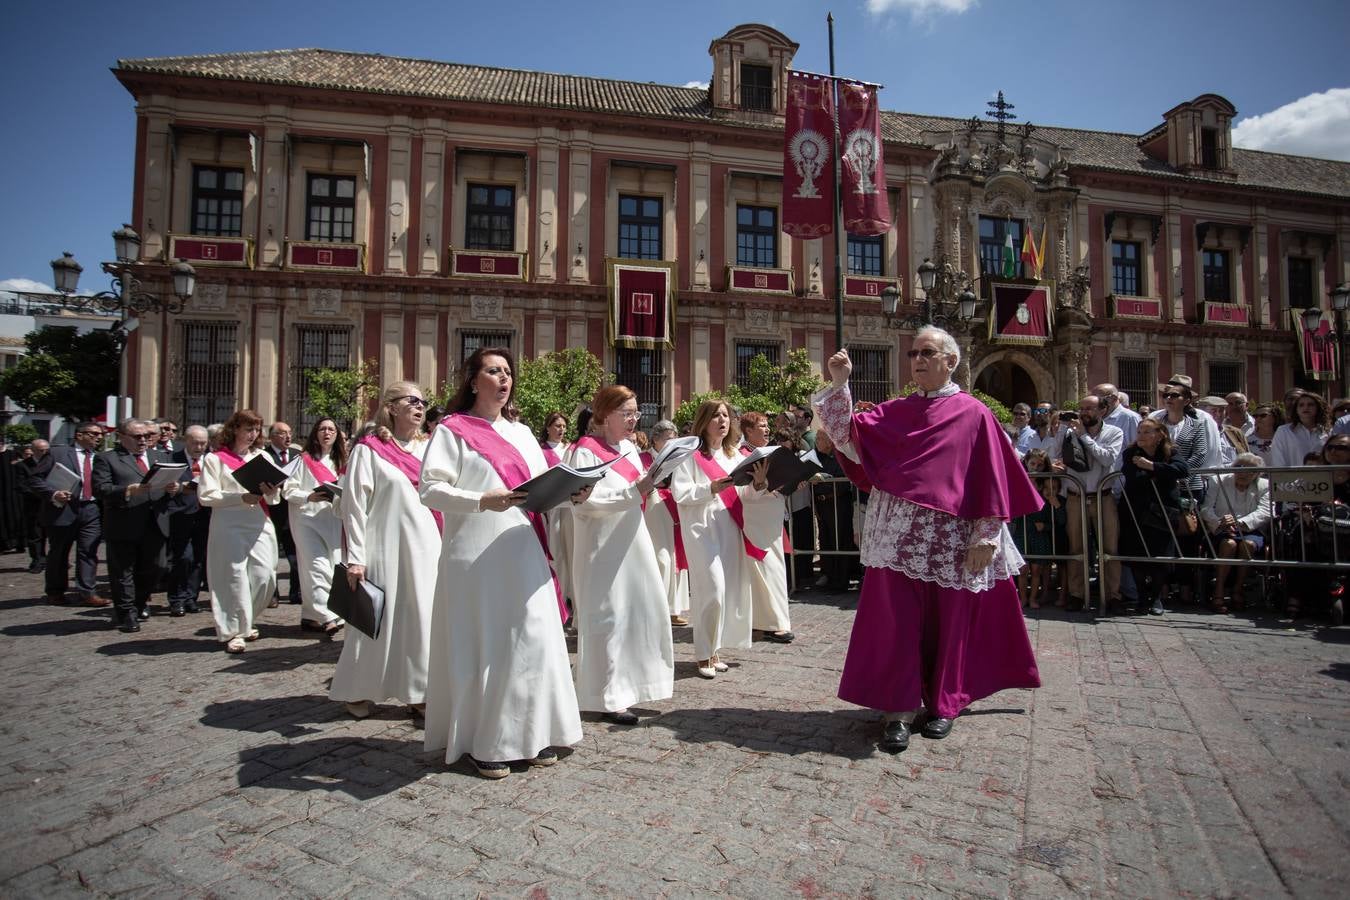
(341, 207)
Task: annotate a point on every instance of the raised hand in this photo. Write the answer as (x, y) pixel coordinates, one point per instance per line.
(841, 367)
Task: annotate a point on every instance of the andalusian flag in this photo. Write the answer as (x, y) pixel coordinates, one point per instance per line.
(1029, 255)
(1009, 255)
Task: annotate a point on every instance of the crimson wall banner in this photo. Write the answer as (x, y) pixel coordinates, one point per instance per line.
(808, 157)
(866, 210)
(641, 304)
(1020, 314)
(1321, 350)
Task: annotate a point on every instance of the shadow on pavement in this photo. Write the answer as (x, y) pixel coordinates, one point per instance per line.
(821, 597)
(23, 602)
(1338, 670)
(362, 768)
(852, 734)
(289, 717)
(58, 628)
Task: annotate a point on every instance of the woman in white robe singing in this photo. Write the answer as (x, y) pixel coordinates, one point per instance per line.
(624, 650)
(663, 524)
(712, 519)
(314, 526)
(241, 547)
(500, 683)
(765, 515)
(390, 540)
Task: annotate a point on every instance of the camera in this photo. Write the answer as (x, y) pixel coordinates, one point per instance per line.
(1068, 414)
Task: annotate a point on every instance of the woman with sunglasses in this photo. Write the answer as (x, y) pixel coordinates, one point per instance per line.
(1261, 441)
(390, 538)
(315, 527)
(939, 622)
(624, 650)
(500, 688)
(1306, 432)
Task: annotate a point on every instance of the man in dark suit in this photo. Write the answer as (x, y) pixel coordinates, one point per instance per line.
(136, 519)
(281, 451)
(189, 525)
(71, 518)
(33, 465)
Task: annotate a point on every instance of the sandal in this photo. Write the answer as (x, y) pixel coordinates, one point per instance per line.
(252, 635)
(235, 645)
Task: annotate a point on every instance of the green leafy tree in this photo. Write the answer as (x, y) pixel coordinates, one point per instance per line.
(561, 380)
(684, 413)
(773, 388)
(65, 372)
(342, 394)
(20, 433)
(1001, 412)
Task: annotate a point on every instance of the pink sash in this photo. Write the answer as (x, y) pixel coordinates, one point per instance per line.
(623, 466)
(402, 460)
(550, 455)
(732, 501)
(233, 461)
(512, 469)
(322, 474)
(668, 501)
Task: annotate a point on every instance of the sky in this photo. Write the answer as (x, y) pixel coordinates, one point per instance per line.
(66, 156)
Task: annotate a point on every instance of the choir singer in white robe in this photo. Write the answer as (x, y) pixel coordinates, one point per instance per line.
(624, 650)
(663, 524)
(314, 526)
(500, 683)
(241, 547)
(391, 538)
(712, 520)
(765, 514)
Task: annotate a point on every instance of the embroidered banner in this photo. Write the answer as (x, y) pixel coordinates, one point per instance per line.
(808, 157)
(1020, 314)
(866, 209)
(483, 264)
(1135, 307)
(212, 251)
(319, 255)
(1225, 313)
(641, 303)
(1321, 354)
(868, 288)
(759, 281)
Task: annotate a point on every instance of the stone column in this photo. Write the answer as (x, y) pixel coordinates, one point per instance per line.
(397, 213)
(433, 196)
(579, 224)
(546, 252)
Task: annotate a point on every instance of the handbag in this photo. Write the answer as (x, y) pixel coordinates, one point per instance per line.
(1073, 453)
(362, 608)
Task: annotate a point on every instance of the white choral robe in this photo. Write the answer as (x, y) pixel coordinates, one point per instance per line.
(318, 541)
(719, 570)
(624, 649)
(500, 683)
(241, 550)
(768, 576)
(560, 531)
(394, 536)
(674, 581)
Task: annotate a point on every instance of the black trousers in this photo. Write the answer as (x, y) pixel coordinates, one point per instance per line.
(34, 535)
(803, 538)
(187, 555)
(84, 534)
(134, 568)
(286, 544)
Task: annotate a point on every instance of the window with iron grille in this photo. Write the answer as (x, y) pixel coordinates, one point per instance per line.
(1301, 294)
(490, 217)
(639, 227)
(470, 341)
(1125, 278)
(210, 371)
(756, 87)
(320, 347)
(644, 371)
(993, 239)
(757, 236)
(864, 254)
(871, 378)
(217, 201)
(1218, 280)
(330, 205)
(1224, 378)
(1135, 377)
(748, 350)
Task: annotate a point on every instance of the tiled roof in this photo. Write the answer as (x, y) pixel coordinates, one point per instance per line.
(396, 76)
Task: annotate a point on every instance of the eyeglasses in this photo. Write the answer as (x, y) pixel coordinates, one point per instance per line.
(167, 428)
(1173, 396)
(411, 399)
(926, 353)
(139, 437)
(630, 416)
(93, 433)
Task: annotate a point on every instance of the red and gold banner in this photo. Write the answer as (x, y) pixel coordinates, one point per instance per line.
(1225, 313)
(487, 264)
(868, 288)
(1019, 314)
(759, 281)
(641, 304)
(808, 157)
(866, 210)
(1321, 351)
(1123, 307)
(322, 255)
(212, 251)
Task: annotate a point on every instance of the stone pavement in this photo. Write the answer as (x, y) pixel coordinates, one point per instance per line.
(1193, 755)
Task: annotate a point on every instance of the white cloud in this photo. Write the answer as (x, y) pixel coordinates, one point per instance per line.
(25, 284)
(701, 85)
(919, 9)
(1316, 125)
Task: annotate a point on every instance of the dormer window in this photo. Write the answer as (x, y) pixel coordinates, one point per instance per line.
(756, 87)
(1209, 148)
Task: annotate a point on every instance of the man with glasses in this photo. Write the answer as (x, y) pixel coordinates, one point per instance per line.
(72, 518)
(280, 449)
(168, 433)
(136, 519)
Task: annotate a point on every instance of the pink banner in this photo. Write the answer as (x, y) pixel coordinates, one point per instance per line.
(866, 210)
(775, 281)
(1020, 314)
(641, 306)
(1321, 350)
(808, 157)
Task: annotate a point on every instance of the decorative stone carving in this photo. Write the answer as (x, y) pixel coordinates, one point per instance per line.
(1226, 348)
(871, 326)
(1136, 342)
(759, 319)
(325, 301)
(209, 297)
(486, 309)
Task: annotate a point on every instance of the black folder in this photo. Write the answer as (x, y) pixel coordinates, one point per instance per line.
(261, 469)
(363, 608)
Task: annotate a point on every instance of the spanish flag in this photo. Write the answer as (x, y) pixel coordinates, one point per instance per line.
(1029, 255)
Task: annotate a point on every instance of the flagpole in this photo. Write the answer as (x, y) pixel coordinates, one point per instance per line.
(839, 240)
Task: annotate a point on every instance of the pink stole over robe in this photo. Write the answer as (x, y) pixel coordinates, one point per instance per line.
(668, 501)
(512, 469)
(732, 501)
(233, 461)
(550, 455)
(606, 453)
(405, 462)
(322, 474)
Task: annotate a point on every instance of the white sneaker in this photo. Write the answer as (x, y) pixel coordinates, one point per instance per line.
(707, 671)
(359, 710)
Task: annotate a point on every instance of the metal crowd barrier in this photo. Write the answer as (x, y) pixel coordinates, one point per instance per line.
(1303, 518)
(1077, 497)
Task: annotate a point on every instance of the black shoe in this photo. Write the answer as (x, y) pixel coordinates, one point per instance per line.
(143, 613)
(1157, 608)
(130, 624)
(625, 717)
(34, 567)
(491, 769)
(779, 637)
(547, 757)
(191, 606)
(296, 601)
(894, 737)
(936, 729)
(176, 610)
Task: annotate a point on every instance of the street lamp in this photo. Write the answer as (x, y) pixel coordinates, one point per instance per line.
(948, 301)
(127, 295)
